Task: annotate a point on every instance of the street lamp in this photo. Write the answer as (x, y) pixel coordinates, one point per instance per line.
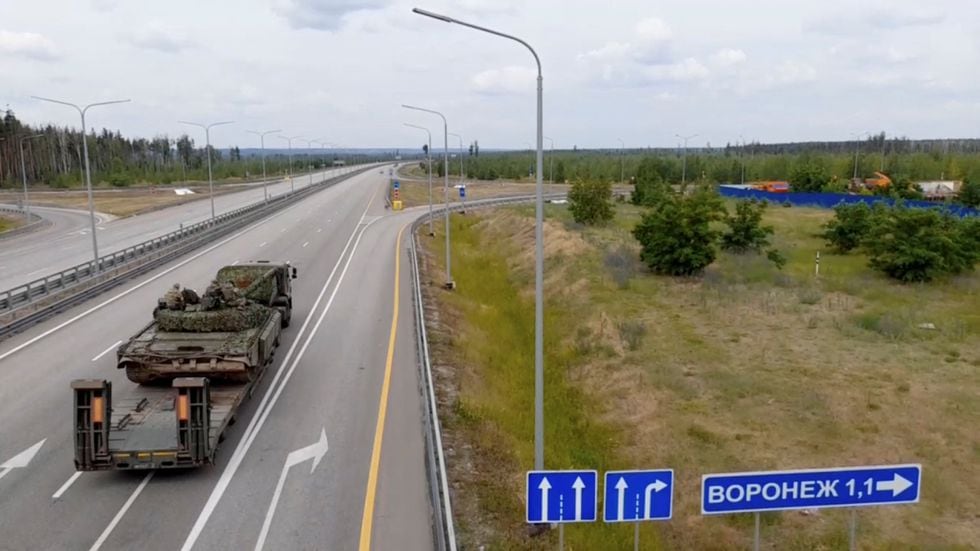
(539, 246)
(445, 172)
(309, 165)
(289, 171)
(857, 148)
(622, 160)
(428, 156)
(551, 160)
(684, 164)
(23, 173)
(207, 137)
(460, 156)
(88, 173)
(261, 136)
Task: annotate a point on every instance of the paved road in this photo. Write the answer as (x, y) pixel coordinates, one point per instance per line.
(68, 243)
(329, 375)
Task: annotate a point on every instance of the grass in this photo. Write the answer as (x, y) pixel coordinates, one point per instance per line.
(9, 222)
(745, 368)
(122, 202)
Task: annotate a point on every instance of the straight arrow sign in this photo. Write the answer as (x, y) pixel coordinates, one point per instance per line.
(313, 451)
(544, 487)
(621, 499)
(21, 460)
(577, 486)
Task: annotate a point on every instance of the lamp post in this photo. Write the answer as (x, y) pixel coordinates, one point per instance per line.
(23, 173)
(261, 135)
(741, 158)
(622, 160)
(857, 148)
(450, 284)
(88, 173)
(428, 157)
(684, 164)
(323, 147)
(539, 245)
(309, 165)
(551, 160)
(207, 137)
(289, 171)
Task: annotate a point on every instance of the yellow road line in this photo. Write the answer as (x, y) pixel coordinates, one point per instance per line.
(367, 520)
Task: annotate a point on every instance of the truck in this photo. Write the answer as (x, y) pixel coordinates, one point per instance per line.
(194, 365)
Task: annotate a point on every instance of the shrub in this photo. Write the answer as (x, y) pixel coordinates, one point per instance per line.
(590, 202)
(650, 187)
(849, 226)
(632, 332)
(970, 193)
(921, 244)
(622, 265)
(808, 175)
(745, 230)
(676, 236)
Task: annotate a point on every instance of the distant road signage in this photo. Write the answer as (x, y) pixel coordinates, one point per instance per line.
(396, 184)
(561, 496)
(809, 489)
(462, 191)
(632, 496)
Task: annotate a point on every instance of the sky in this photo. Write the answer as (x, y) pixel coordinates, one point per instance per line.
(638, 71)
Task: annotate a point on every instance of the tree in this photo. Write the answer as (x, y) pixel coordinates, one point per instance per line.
(808, 175)
(559, 176)
(849, 226)
(590, 202)
(649, 188)
(970, 193)
(676, 236)
(745, 230)
(915, 245)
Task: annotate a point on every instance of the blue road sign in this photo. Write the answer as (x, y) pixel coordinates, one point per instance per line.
(396, 184)
(462, 191)
(561, 496)
(809, 489)
(632, 496)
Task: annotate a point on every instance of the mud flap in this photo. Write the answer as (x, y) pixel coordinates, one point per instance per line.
(93, 414)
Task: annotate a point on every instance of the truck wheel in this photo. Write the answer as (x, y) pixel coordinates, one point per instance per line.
(286, 317)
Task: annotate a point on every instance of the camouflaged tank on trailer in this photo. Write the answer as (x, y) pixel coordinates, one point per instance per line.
(227, 335)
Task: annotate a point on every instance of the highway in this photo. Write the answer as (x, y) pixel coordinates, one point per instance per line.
(67, 242)
(347, 360)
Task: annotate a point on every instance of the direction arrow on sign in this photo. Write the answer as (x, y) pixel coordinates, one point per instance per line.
(548, 492)
(21, 460)
(809, 489)
(315, 452)
(639, 495)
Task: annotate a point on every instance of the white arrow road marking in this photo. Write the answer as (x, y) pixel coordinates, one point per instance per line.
(544, 486)
(577, 486)
(21, 460)
(621, 486)
(313, 451)
(897, 485)
(656, 486)
(305, 244)
(106, 351)
(64, 487)
(122, 512)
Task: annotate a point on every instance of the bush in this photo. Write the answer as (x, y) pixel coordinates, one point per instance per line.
(119, 179)
(622, 265)
(590, 202)
(745, 230)
(914, 245)
(632, 332)
(970, 193)
(808, 175)
(849, 226)
(650, 187)
(676, 237)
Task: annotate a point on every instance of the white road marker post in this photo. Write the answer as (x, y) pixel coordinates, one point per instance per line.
(816, 269)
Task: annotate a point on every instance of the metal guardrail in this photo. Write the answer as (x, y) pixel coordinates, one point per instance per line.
(444, 529)
(27, 304)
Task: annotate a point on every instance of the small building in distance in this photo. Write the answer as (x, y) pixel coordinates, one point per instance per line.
(940, 190)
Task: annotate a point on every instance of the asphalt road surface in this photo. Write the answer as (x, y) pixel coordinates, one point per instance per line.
(347, 360)
(67, 242)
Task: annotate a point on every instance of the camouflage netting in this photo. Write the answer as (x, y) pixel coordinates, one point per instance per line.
(223, 307)
(237, 318)
(258, 283)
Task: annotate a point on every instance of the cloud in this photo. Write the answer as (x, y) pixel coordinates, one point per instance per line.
(322, 15)
(104, 5)
(30, 45)
(886, 19)
(728, 57)
(156, 37)
(508, 80)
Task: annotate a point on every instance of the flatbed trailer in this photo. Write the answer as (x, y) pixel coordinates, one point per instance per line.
(155, 427)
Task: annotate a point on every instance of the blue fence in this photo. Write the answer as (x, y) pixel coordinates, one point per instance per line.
(831, 200)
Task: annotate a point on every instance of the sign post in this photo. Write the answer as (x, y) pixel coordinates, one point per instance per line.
(754, 492)
(462, 195)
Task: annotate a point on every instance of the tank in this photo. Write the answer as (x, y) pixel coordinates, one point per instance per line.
(227, 334)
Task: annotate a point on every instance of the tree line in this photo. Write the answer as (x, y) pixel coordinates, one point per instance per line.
(53, 156)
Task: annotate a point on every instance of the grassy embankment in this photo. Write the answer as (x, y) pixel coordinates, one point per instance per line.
(746, 368)
(9, 223)
(118, 202)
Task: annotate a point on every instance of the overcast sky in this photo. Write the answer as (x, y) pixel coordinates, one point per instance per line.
(640, 71)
